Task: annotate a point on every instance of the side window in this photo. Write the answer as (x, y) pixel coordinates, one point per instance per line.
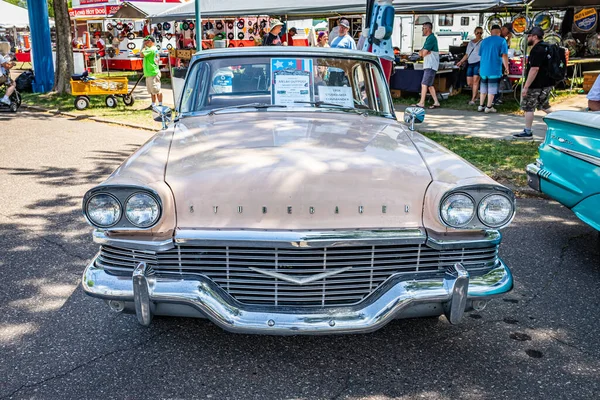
(446, 19)
(464, 21)
(360, 87)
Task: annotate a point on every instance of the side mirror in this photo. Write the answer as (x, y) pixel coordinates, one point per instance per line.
(414, 115)
(162, 114)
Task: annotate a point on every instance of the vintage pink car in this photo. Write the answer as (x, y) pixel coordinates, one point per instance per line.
(287, 199)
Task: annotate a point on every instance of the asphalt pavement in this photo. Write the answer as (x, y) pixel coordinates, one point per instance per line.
(539, 342)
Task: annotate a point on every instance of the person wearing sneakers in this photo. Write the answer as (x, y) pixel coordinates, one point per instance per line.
(538, 85)
(151, 70)
(431, 63)
(473, 60)
(5, 66)
(494, 54)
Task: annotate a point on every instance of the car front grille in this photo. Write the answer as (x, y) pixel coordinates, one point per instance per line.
(365, 268)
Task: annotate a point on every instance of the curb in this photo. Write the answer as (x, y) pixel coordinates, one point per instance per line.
(90, 117)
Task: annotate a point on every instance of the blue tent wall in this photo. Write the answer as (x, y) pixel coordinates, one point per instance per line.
(41, 47)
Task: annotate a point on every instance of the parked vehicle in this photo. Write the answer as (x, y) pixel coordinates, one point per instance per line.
(568, 169)
(287, 199)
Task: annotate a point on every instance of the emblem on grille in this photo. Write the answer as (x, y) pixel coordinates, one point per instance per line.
(300, 280)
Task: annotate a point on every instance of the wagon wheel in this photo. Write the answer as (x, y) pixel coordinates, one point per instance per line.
(111, 101)
(13, 107)
(82, 102)
(128, 100)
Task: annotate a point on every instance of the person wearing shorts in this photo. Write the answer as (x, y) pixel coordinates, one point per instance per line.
(538, 85)
(494, 54)
(152, 70)
(473, 61)
(431, 62)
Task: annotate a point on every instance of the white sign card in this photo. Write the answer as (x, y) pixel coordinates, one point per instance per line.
(292, 81)
(340, 95)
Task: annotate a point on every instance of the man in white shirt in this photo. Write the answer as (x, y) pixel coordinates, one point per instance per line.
(594, 96)
(344, 40)
(5, 66)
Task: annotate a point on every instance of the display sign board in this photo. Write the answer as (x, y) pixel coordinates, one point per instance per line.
(99, 11)
(292, 81)
(585, 20)
(85, 2)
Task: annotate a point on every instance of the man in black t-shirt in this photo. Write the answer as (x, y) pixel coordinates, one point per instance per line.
(537, 87)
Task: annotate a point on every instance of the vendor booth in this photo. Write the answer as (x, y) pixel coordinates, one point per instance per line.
(121, 26)
(14, 31)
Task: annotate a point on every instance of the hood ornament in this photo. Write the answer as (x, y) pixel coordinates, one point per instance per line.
(297, 280)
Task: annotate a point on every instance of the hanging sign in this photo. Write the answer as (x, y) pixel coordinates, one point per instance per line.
(292, 81)
(585, 20)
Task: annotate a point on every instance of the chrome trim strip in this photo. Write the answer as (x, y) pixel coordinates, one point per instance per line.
(101, 237)
(295, 239)
(490, 239)
(391, 301)
(577, 154)
(533, 169)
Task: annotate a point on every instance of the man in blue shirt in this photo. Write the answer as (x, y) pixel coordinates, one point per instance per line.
(493, 52)
(344, 41)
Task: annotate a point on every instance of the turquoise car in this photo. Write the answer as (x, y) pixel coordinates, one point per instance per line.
(568, 169)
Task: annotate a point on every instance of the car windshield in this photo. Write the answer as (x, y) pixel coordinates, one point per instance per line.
(286, 83)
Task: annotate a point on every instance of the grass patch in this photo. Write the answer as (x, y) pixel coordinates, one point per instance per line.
(503, 160)
(461, 100)
(97, 108)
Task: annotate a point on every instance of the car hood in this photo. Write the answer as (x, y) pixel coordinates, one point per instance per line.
(275, 170)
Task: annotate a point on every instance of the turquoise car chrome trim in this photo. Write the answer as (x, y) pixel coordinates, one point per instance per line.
(585, 157)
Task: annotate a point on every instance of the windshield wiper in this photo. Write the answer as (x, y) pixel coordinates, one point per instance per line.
(258, 106)
(319, 104)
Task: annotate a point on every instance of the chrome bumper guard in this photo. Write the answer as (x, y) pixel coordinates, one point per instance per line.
(145, 289)
(533, 176)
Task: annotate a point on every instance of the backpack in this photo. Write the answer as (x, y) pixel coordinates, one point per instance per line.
(24, 82)
(556, 67)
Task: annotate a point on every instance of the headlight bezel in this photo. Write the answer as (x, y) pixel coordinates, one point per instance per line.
(446, 197)
(479, 193)
(122, 193)
(506, 221)
(89, 219)
(159, 213)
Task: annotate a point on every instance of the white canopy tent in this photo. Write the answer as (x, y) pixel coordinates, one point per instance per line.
(309, 8)
(12, 16)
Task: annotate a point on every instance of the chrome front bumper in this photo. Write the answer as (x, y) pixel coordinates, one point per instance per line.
(401, 296)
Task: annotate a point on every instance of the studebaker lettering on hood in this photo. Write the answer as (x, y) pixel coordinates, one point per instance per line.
(287, 199)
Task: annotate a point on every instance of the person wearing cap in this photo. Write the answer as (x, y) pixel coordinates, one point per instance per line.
(100, 45)
(538, 84)
(5, 66)
(493, 52)
(272, 38)
(289, 37)
(343, 40)
(151, 70)
(507, 32)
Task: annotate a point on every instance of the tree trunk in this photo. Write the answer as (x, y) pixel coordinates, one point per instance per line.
(64, 52)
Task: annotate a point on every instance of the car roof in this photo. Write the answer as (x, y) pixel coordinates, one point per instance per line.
(283, 51)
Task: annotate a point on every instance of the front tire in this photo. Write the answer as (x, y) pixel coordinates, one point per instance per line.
(128, 100)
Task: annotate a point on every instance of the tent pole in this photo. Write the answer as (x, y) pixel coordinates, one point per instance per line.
(198, 27)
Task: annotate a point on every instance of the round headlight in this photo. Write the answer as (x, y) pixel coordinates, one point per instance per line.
(495, 210)
(457, 210)
(142, 210)
(103, 210)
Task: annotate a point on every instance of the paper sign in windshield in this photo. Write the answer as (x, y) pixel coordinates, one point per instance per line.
(340, 95)
(292, 81)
